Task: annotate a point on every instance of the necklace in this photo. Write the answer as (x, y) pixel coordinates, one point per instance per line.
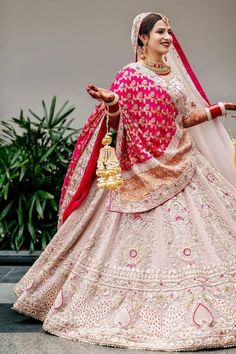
(159, 68)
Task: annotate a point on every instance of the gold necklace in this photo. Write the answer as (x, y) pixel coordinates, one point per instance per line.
(159, 68)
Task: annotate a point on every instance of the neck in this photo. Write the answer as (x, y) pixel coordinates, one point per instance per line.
(154, 57)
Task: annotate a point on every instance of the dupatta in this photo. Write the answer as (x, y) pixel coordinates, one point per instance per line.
(155, 152)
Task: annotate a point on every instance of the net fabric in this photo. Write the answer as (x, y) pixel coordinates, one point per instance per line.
(210, 138)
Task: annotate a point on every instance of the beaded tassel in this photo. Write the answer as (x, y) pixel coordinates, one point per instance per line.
(108, 168)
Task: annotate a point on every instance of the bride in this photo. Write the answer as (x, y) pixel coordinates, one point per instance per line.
(151, 265)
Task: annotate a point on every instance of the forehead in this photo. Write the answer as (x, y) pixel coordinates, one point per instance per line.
(160, 24)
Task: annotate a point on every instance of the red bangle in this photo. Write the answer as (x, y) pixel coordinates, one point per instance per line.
(114, 108)
(215, 111)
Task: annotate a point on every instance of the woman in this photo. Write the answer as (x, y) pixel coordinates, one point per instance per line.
(151, 265)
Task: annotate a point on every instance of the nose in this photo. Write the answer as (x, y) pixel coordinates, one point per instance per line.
(168, 36)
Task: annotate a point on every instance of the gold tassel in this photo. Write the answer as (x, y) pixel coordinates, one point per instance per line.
(108, 168)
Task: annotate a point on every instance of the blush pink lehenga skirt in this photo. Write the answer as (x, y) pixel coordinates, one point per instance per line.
(159, 280)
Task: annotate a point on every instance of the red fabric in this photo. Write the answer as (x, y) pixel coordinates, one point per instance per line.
(80, 145)
(88, 176)
(188, 68)
(215, 111)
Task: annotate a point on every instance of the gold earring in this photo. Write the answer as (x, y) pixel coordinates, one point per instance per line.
(143, 50)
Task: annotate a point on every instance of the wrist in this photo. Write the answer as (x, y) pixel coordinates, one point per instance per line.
(112, 107)
(215, 110)
(113, 100)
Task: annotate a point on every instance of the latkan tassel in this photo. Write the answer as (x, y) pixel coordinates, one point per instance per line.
(108, 168)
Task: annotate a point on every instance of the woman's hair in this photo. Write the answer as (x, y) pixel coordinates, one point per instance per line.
(147, 25)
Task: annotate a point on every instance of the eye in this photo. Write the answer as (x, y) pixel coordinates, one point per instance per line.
(160, 31)
(170, 31)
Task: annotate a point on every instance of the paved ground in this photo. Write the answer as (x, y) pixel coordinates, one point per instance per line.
(23, 335)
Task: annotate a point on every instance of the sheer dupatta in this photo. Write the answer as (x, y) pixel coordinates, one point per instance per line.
(210, 138)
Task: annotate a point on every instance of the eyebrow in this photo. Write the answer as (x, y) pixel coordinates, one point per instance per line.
(169, 29)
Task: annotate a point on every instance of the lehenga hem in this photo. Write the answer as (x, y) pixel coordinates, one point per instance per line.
(99, 342)
(109, 344)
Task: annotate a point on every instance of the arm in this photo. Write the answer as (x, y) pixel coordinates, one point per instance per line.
(208, 113)
(110, 99)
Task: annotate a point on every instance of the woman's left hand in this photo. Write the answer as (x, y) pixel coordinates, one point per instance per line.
(230, 106)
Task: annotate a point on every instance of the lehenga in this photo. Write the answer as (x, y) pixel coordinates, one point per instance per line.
(154, 265)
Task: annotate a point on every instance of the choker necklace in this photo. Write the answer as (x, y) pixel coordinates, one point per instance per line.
(159, 68)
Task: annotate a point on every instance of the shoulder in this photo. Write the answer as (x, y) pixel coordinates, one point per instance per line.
(128, 75)
(127, 71)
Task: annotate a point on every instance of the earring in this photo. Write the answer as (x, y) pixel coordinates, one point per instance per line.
(143, 51)
(165, 57)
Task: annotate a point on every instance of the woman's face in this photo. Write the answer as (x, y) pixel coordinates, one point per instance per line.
(159, 39)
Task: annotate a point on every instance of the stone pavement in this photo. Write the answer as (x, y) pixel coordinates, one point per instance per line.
(20, 334)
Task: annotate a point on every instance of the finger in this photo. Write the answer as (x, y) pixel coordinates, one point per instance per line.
(99, 94)
(92, 87)
(231, 106)
(92, 93)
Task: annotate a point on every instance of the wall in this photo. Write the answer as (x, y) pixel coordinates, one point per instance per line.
(57, 47)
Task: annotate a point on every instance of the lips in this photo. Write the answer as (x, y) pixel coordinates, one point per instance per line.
(165, 44)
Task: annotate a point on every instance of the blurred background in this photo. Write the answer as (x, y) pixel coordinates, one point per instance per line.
(58, 47)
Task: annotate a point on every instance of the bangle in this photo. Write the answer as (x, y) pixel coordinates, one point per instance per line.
(114, 101)
(222, 107)
(113, 114)
(215, 110)
(208, 113)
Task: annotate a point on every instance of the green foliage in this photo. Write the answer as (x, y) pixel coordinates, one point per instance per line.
(32, 167)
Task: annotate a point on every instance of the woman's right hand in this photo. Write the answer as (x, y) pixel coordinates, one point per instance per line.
(100, 93)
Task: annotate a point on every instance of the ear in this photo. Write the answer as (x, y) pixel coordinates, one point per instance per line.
(143, 38)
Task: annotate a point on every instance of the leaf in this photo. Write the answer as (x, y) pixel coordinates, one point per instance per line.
(15, 157)
(39, 207)
(45, 110)
(5, 190)
(61, 157)
(43, 241)
(19, 239)
(20, 212)
(52, 109)
(53, 204)
(31, 248)
(35, 116)
(46, 195)
(44, 204)
(59, 119)
(48, 153)
(22, 173)
(31, 231)
(19, 164)
(60, 110)
(32, 202)
(6, 209)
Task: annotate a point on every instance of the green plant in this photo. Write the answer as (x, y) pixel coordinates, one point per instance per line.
(32, 167)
